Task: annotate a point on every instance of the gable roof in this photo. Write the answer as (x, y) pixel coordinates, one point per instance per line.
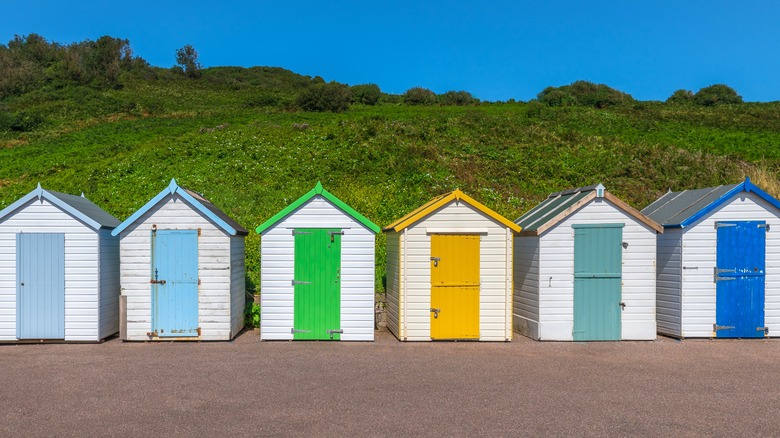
(560, 205)
(317, 190)
(439, 202)
(197, 201)
(681, 209)
(79, 207)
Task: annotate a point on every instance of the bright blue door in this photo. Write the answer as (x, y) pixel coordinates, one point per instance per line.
(739, 279)
(40, 293)
(175, 283)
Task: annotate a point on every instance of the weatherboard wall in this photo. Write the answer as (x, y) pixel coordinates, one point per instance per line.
(393, 281)
(495, 294)
(277, 267)
(88, 268)
(219, 261)
(669, 282)
(699, 243)
(553, 288)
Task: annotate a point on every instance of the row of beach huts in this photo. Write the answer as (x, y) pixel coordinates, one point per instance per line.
(582, 265)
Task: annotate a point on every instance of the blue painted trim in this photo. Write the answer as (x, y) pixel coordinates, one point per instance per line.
(746, 186)
(172, 189)
(41, 193)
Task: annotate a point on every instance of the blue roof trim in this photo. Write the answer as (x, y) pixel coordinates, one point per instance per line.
(746, 186)
(40, 193)
(172, 189)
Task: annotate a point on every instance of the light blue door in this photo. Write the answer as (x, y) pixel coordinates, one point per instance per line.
(598, 272)
(175, 283)
(739, 279)
(40, 287)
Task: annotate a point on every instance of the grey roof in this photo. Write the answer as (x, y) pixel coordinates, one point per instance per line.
(87, 208)
(219, 213)
(554, 205)
(674, 208)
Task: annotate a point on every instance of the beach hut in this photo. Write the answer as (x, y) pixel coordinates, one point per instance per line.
(585, 269)
(59, 269)
(317, 271)
(718, 262)
(449, 272)
(182, 270)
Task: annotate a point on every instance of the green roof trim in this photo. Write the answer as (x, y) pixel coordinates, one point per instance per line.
(318, 190)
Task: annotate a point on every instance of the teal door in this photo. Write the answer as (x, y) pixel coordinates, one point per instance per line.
(598, 258)
(40, 286)
(317, 284)
(174, 283)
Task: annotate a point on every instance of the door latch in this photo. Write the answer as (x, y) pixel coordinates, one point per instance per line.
(622, 306)
(332, 332)
(333, 233)
(435, 312)
(435, 261)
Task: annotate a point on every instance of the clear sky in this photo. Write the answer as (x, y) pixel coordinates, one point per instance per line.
(497, 50)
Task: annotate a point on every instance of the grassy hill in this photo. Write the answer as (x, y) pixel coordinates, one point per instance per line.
(121, 146)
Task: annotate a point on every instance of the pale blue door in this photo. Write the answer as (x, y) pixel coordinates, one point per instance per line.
(40, 286)
(598, 262)
(175, 283)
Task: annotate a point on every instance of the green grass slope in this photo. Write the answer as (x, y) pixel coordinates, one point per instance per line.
(121, 147)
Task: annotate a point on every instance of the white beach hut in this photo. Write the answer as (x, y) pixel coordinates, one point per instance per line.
(59, 269)
(585, 269)
(182, 270)
(718, 262)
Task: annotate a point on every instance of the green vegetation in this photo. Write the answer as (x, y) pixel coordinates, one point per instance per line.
(238, 136)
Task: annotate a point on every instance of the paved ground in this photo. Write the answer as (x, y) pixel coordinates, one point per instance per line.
(388, 388)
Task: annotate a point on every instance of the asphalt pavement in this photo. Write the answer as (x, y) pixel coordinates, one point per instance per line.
(388, 388)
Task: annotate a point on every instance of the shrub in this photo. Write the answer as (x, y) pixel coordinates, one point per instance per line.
(680, 97)
(367, 94)
(419, 96)
(457, 98)
(584, 93)
(332, 97)
(717, 94)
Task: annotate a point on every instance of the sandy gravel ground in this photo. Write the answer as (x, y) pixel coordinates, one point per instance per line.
(387, 388)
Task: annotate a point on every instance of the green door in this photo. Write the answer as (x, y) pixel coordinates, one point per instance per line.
(598, 258)
(317, 284)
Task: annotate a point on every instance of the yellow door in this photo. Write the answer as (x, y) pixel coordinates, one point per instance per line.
(454, 286)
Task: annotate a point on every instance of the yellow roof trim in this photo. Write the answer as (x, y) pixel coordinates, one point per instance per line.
(439, 202)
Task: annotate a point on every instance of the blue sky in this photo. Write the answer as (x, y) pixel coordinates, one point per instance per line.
(496, 50)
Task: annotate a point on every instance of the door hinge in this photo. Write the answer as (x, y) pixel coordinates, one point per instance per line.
(716, 327)
(294, 331)
(150, 282)
(721, 225)
(764, 226)
(294, 282)
(296, 232)
(331, 332)
(199, 282)
(716, 274)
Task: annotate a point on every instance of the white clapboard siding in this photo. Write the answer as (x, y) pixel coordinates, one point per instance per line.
(237, 284)
(393, 282)
(214, 269)
(699, 244)
(109, 283)
(81, 269)
(495, 294)
(277, 266)
(556, 272)
(669, 282)
(526, 287)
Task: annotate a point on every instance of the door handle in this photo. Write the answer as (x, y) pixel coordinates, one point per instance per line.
(435, 261)
(435, 313)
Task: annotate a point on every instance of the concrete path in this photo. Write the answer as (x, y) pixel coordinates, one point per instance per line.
(387, 388)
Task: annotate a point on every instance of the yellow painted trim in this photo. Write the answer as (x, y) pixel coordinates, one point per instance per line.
(439, 202)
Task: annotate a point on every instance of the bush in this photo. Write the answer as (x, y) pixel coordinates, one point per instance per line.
(21, 122)
(419, 96)
(332, 97)
(367, 94)
(717, 94)
(262, 100)
(584, 93)
(680, 97)
(457, 98)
